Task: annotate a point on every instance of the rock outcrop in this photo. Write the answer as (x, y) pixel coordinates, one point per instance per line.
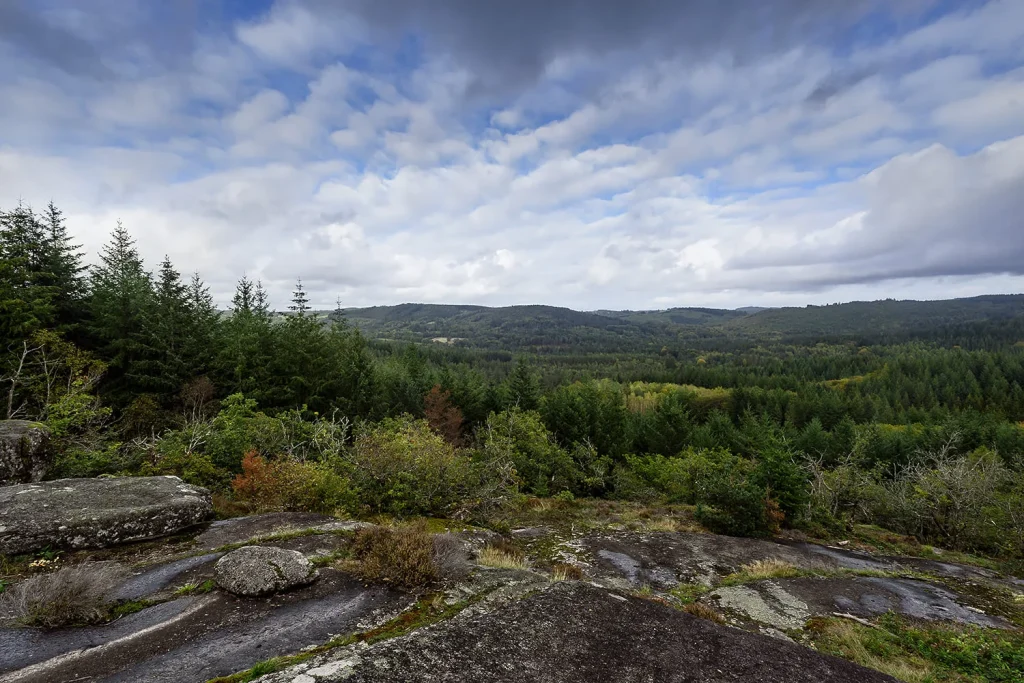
(261, 570)
(97, 513)
(23, 451)
(574, 632)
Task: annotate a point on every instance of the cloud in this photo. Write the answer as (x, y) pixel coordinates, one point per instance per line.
(593, 154)
(48, 42)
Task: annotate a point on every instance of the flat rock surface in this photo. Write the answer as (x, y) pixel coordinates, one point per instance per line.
(664, 559)
(789, 603)
(246, 529)
(191, 640)
(97, 513)
(573, 632)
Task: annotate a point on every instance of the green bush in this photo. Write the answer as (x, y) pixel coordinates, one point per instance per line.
(402, 467)
(519, 436)
(284, 484)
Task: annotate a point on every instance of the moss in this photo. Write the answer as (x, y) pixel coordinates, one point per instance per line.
(123, 609)
(687, 593)
(196, 588)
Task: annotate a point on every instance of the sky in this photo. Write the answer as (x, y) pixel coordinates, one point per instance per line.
(595, 154)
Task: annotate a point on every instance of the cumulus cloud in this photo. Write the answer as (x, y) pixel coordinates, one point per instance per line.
(597, 155)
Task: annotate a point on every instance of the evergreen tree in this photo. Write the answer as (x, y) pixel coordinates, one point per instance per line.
(169, 328)
(64, 272)
(247, 342)
(121, 304)
(26, 298)
(300, 302)
(523, 387)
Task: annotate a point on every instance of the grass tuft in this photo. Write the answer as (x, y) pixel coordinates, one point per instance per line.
(502, 555)
(759, 570)
(72, 595)
(564, 571)
(702, 611)
(920, 653)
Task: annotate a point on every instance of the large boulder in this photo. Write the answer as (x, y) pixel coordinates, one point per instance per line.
(97, 513)
(261, 570)
(23, 453)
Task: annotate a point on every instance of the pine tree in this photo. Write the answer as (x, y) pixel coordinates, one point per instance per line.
(300, 302)
(26, 298)
(523, 387)
(247, 342)
(168, 328)
(121, 304)
(64, 270)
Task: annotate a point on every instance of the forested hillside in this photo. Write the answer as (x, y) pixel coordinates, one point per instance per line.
(547, 329)
(904, 414)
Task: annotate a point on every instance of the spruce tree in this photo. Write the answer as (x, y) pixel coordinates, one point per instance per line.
(64, 272)
(26, 298)
(121, 304)
(247, 342)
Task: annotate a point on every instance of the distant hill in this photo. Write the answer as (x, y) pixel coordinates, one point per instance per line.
(551, 328)
(876, 317)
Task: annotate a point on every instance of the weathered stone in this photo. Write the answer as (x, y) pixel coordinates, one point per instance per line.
(97, 513)
(788, 603)
(261, 570)
(575, 633)
(23, 451)
(199, 637)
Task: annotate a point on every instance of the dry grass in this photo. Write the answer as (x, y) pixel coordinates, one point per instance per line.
(702, 611)
(566, 572)
(73, 595)
(771, 568)
(502, 555)
(661, 524)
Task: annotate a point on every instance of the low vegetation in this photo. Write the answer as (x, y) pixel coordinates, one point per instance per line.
(406, 557)
(73, 595)
(922, 653)
(502, 556)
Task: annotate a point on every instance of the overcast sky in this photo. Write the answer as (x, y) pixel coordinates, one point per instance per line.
(585, 153)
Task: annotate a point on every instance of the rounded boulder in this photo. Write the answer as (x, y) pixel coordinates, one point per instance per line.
(260, 570)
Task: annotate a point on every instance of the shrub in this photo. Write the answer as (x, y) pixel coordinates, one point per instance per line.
(670, 478)
(73, 595)
(290, 485)
(541, 466)
(402, 557)
(450, 556)
(401, 467)
(952, 500)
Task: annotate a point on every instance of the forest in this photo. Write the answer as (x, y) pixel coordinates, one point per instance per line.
(904, 415)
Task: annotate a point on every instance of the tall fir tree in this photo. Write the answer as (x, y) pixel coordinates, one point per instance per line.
(121, 304)
(26, 297)
(64, 272)
(247, 342)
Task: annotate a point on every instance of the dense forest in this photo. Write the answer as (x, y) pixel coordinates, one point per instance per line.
(903, 414)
